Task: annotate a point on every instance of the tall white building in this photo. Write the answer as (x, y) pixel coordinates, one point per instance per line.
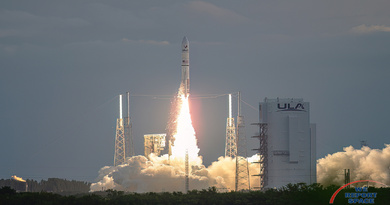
(287, 143)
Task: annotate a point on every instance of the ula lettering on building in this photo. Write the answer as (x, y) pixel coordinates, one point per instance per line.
(289, 107)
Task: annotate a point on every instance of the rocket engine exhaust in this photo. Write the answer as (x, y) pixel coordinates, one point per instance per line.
(182, 164)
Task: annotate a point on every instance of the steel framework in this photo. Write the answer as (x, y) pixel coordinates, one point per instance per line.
(263, 153)
(242, 167)
(129, 146)
(154, 143)
(347, 177)
(119, 157)
(120, 149)
(231, 142)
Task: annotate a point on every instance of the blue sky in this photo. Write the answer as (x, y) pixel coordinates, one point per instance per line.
(64, 63)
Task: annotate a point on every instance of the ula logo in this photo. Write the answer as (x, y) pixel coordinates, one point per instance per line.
(289, 107)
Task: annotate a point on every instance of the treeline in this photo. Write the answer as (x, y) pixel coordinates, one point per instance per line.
(50, 185)
(291, 194)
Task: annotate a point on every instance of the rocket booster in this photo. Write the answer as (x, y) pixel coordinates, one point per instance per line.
(185, 67)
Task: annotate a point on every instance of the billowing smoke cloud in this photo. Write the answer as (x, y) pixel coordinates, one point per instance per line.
(159, 174)
(364, 164)
(162, 175)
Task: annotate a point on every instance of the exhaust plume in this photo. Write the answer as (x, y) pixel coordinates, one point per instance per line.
(161, 175)
(167, 174)
(184, 138)
(364, 164)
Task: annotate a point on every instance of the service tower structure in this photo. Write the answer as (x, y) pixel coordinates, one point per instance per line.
(287, 143)
(185, 67)
(154, 143)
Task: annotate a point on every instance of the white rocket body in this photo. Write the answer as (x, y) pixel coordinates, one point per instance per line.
(185, 67)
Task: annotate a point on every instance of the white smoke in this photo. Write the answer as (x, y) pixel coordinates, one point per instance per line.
(162, 175)
(364, 164)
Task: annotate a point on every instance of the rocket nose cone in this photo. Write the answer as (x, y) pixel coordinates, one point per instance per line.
(185, 43)
(185, 40)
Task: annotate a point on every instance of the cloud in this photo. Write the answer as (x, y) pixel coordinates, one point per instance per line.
(9, 49)
(363, 29)
(223, 15)
(8, 32)
(24, 24)
(17, 18)
(209, 43)
(364, 164)
(151, 42)
(119, 18)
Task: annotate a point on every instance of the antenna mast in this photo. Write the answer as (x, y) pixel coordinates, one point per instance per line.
(187, 172)
(129, 146)
(242, 167)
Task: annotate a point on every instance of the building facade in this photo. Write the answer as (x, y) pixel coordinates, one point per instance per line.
(290, 152)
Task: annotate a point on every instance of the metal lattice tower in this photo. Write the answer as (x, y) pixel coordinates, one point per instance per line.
(242, 166)
(187, 181)
(263, 154)
(231, 146)
(119, 156)
(129, 146)
(347, 177)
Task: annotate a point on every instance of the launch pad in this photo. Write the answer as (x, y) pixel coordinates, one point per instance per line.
(181, 141)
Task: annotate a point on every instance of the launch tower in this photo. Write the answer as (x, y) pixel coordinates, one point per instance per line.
(231, 142)
(124, 147)
(120, 149)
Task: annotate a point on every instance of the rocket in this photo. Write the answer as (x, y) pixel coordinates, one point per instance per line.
(185, 67)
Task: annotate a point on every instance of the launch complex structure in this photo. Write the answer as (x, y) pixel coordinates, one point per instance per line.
(236, 146)
(287, 151)
(124, 147)
(287, 143)
(155, 143)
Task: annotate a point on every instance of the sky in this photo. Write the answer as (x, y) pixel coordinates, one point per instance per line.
(64, 63)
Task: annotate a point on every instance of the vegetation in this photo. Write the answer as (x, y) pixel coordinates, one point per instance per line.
(54, 185)
(290, 194)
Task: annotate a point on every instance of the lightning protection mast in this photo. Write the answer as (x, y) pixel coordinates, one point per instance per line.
(119, 156)
(129, 146)
(187, 169)
(242, 168)
(231, 146)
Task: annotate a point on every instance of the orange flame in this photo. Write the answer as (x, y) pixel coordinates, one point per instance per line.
(18, 178)
(185, 134)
